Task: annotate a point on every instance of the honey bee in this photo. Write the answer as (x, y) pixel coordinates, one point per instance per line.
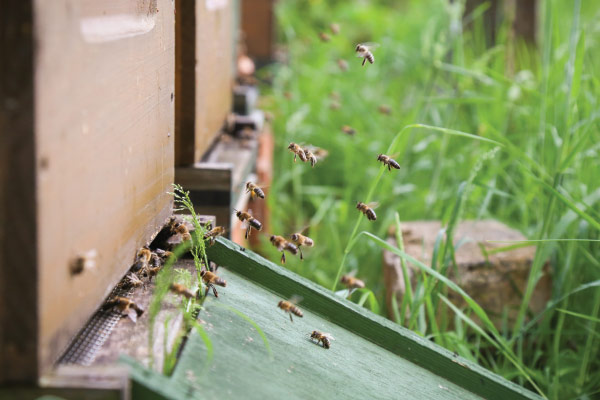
(210, 280)
(180, 289)
(254, 190)
(212, 234)
(163, 254)
(311, 157)
(384, 109)
(321, 337)
(289, 306)
(386, 160)
(324, 37)
(141, 260)
(367, 210)
(126, 306)
(364, 50)
(248, 219)
(342, 64)
(301, 240)
(335, 28)
(282, 245)
(154, 267)
(352, 283)
(348, 130)
(183, 230)
(298, 151)
(134, 280)
(335, 105)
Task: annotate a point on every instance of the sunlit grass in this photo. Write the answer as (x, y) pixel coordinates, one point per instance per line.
(480, 137)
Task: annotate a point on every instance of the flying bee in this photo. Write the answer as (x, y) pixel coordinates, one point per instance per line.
(348, 130)
(364, 50)
(254, 190)
(335, 28)
(321, 337)
(282, 244)
(342, 64)
(213, 233)
(301, 240)
(141, 260)
(351, 283)
(387, 160)
(367, 210)
(247, 218)
(324, 37)
(335, 105)
(289, 306)
(210, 280)
(298, 151)
(384, 109)
(126, 306)
(311, 157)
(180, 289)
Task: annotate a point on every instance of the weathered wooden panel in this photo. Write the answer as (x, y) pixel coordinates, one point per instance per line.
(102, 144)
(205, 74)
(258, 25)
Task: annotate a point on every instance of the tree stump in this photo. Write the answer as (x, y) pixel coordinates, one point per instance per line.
(495, 281)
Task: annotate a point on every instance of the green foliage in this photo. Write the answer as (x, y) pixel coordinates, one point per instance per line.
(509, 132)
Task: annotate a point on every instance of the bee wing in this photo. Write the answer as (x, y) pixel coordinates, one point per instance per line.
(371, 45)
(328, 336)
(373, 204)
(132, 315)
(295, 299)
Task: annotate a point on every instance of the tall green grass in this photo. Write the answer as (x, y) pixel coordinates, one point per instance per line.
(477, 137)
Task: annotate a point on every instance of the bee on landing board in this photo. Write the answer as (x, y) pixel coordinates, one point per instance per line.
(212, 234)
(210, 280)
(298, 151)
(126, 306)
(154, 267)
(181, 290)
(282, 245)
(321, 337)
(247, 218)
(141, 260)
(254, 190)
(301, 240)
(365, 50)
(289, 306)
(387, 160)
(351, 283)
(367, 210)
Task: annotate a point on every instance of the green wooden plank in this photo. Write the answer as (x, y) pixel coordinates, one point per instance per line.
(361, 322)
(242, 367)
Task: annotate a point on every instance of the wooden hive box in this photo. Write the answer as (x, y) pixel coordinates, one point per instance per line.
(87, 144)
(257, 352)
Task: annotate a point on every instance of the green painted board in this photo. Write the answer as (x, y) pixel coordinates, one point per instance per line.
(370, 358)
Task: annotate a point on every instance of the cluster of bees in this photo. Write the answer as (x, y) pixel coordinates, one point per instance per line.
(148, 263)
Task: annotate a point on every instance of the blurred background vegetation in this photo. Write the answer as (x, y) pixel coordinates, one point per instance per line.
(539, 102)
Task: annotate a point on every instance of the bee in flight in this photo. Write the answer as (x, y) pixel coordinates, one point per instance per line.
(213, 233)
(247, 218)
(335, 28)
(364, 50)
(367, 210)
(387, 160)
(298, 151)
(254, 190)
(210, 280)
(321, 337)
(301, 240)
(282, 245)
(314, 154)
(126, 306)
(342, 64)
(351, 283)
(348, 130)
(289, 306)
(310, 156)
(324, 37)
(384, 109)
(181, 290)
